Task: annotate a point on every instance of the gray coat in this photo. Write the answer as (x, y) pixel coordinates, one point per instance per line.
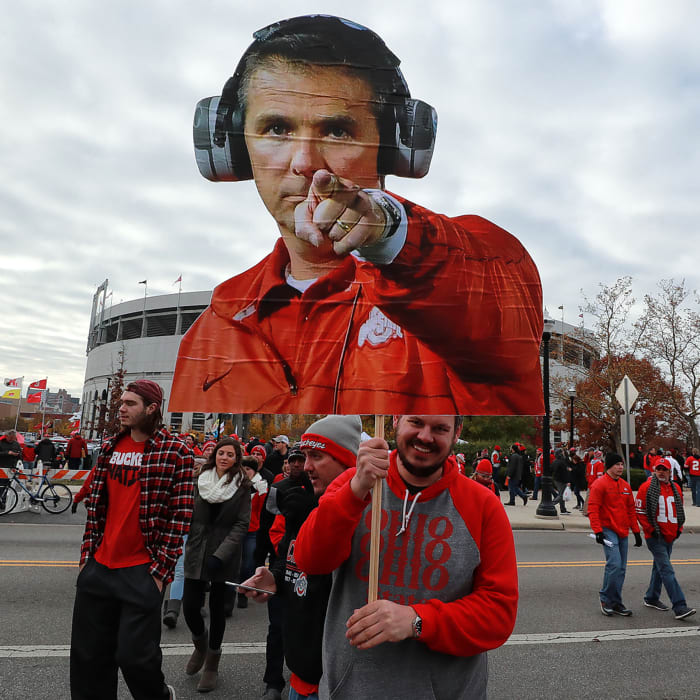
(223, 537)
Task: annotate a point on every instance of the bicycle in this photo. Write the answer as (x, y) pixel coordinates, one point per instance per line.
(54, 498)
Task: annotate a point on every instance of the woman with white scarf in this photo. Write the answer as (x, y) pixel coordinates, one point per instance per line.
(213, 554)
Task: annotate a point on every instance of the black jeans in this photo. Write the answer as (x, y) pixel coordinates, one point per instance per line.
(192, 602)
(116, 625)
(274, 649)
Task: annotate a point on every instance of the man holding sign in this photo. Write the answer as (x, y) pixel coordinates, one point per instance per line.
(368, 303)
(448, 583)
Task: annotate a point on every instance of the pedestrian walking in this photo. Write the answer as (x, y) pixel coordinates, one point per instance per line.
(659, 505)
(515, 475)
(447, 583)
(139, 509)
(213, 556)
(612, 513)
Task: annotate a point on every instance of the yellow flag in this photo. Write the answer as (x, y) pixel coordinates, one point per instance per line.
(11, 394)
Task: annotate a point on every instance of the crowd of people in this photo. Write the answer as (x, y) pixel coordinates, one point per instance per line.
(287, 521)
(290, 521)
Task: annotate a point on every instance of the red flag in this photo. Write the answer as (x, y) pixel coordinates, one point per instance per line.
(41, 384)
(179, 279)
(34, 397)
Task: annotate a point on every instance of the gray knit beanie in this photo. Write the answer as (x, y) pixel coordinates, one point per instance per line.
(339, 436)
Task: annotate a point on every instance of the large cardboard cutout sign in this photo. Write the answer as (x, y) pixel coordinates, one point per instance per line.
(368, 303)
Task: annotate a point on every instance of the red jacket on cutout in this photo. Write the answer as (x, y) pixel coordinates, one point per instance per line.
(451, 326)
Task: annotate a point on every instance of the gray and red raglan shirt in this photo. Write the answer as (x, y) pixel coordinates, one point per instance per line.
(454, 564)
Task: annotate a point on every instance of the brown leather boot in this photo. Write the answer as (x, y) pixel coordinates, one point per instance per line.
(210, 675)
(198, 655)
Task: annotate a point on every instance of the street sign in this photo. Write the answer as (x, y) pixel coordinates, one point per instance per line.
(627, 424)
(626, 394)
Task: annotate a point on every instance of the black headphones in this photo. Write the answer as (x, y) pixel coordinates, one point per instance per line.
(407, 127)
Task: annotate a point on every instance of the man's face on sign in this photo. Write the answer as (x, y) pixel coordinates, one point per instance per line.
(300, 119)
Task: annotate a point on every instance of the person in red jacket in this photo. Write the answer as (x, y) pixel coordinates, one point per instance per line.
(660, 512)
(76, 450)
(692, 464)
(353, 311)
(483, 474)
(650, 460)
(612, 513)
(447, 580)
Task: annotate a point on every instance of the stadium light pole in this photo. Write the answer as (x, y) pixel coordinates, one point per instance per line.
(545, 508)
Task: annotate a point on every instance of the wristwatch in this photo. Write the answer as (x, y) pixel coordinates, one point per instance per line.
(417, 626)
(392, 213)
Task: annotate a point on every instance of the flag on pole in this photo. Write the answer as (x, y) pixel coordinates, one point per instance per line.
(580, 315)
(143, 281)
(41, 384)
(179, 279)
(17, 381)
(75, 421)
(34, 397)
(11, 394)
(561, 307)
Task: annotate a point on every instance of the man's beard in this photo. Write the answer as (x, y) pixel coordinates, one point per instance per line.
(144, 423)
(420, 472)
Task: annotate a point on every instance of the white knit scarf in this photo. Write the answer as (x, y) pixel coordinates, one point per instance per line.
(217, 490)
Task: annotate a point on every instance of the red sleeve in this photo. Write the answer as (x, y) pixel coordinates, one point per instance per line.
(447, 265)
(256, 505)
(325, 539)
(485, 618)
(594, 502)
(85, 488)
(631, 512)
(277, 531)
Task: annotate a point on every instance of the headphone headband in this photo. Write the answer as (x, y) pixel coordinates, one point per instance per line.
(407, 127)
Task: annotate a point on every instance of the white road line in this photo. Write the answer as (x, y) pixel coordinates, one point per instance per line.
(63, 650)
(604, 635)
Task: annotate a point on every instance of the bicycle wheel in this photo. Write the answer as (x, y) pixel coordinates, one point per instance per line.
(56, 498)
(8, 500)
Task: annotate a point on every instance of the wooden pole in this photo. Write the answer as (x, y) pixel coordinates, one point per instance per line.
(375, 532)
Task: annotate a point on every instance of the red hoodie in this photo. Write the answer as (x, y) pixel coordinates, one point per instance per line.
(458, 533)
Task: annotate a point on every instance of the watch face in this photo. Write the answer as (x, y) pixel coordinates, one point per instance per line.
(417, 627)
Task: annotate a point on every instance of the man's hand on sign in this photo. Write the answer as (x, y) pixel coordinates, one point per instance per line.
(372, 464)
(339, 210)
(380, 621)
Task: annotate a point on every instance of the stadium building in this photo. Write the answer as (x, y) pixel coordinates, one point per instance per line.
(144, 334)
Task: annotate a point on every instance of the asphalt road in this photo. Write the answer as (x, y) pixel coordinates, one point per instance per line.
(561, 646)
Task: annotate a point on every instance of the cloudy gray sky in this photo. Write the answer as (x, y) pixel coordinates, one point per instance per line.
(571, 123)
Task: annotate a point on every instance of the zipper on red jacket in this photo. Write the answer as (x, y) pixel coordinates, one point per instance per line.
(288, 374)
(336, 387)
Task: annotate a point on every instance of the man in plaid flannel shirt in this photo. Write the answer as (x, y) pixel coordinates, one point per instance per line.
(138, 512)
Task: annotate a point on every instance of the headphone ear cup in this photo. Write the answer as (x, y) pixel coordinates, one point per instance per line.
(223, 160)
(416, 129)
(238, 149)
(213, 161)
